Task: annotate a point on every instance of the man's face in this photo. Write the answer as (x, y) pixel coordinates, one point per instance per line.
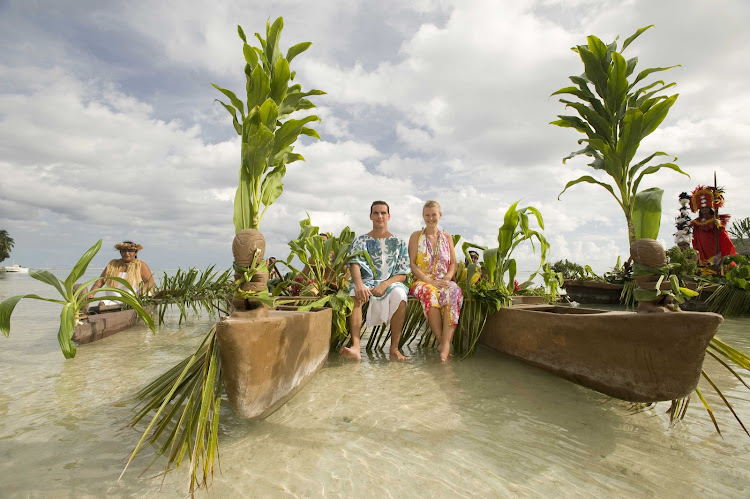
(380, 216)
(474, 257)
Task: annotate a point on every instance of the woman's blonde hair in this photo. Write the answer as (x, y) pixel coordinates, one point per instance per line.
(432, 204)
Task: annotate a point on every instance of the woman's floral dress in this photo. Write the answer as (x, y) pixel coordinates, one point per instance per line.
(435, 262)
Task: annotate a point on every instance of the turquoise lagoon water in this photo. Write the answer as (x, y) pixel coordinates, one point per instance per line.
(485, 427)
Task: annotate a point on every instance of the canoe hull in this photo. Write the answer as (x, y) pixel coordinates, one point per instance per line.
(593, 291)
(633, 357)
(268, 356)
(96, 327)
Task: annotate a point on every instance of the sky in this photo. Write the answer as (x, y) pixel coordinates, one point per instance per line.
(109, 128)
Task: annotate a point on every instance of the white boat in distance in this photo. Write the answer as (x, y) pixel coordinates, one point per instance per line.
(16, 268)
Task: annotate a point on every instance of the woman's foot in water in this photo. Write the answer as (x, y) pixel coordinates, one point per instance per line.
(445, 352)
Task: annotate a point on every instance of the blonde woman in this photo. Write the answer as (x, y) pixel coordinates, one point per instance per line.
(433, 264)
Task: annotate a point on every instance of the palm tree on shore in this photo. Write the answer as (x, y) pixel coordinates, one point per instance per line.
(6, 244)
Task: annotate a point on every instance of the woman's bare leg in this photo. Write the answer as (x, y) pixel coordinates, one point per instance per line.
(435, 320)
(447, 336)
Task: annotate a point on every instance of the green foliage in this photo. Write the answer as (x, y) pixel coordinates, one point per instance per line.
(572, 270)
(193, 290)
(732, 298)
(187, 404)
(615, 117)
(267, 132)
(740, 230)
(6, 244)
(73, 299)
(684, 262)
(514, 231)
(325, 274)
(647, 213)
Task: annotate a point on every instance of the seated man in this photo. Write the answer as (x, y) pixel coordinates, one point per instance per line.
(128, 267)
(383, 286)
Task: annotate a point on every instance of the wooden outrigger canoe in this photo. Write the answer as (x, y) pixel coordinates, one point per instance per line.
(98, 326)
(630, 356)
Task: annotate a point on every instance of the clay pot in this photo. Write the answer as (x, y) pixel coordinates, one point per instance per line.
(244, 246)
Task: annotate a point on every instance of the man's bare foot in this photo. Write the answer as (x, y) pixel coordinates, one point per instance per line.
(396, 355)
(350, 353)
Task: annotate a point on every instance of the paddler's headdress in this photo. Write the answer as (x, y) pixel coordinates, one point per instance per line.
(128, 245)
(706, 197)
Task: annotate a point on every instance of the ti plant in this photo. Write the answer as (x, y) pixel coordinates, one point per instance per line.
(267, 132)
(74, 298)
(615, 117)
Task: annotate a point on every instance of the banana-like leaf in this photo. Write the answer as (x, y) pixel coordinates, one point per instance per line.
(591, 180)
(634, 169)
(654, 169)
(243, 202)
(80, 267)
(251, 57)
(268, 113)
(65, 333)
(643, 74)
(280, 80)
(635, 35)
(233, 98)
(48, 278)
(272, 186)
(8, 305)
(647, 213)
(617, 82)
(256, 150)
(260, 88)
(233, 112)
(296, 50)
(656, 114)
(273, 52)
(594, 70)
(287, 133)
(630, 137)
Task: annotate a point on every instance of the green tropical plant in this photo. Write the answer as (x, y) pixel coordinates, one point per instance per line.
(74, 298)
(267, 132)
(326, 263)
(732, 298)
(740, 230)
(194, 290)
(6, 244)
(187, 405)
(685, 262)
(514, 232)
(615, 118)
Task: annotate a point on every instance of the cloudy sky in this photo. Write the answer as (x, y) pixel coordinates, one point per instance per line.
(109, 129)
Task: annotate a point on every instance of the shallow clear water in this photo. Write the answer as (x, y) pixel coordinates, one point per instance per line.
(486, 426)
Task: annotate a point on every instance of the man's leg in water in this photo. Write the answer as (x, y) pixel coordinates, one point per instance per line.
(397, 324)
(355, 325)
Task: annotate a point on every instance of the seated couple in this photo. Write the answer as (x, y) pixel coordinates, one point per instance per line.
(430, 257)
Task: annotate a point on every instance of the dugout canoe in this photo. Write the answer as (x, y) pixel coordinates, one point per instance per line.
(629, 356)
(593, 291)
(98, 326)
(267, 356)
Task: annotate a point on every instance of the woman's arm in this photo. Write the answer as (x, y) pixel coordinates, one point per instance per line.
(415, 270)
(454, 264)
(146, 276)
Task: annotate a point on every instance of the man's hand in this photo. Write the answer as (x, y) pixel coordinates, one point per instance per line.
(379, 290)
(361, 292)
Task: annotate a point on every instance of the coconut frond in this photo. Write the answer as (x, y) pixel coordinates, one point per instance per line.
(186, 403)
(194, 290)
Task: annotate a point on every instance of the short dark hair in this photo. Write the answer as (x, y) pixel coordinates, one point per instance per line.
(374, 203)
(472, 252)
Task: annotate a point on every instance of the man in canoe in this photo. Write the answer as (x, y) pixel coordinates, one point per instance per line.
(382, 286)
(128, 267)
